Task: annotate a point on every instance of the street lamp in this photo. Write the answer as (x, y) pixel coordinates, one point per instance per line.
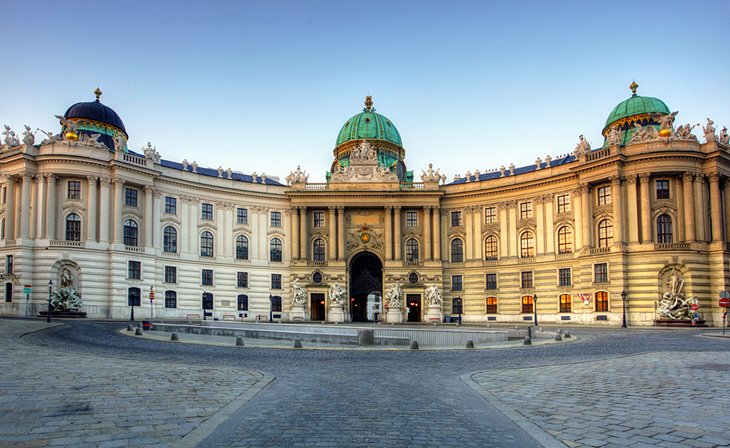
(205, 296)
(623, 300)
(271, 308)
(50, 289)
(534, 300)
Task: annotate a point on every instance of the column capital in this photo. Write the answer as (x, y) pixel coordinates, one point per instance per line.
(713, 177)
(331, 208)
(687, 177)
(50, 177)
(92, 180)
(388, 208)
(149, 189)
(615, 180)
(630, 179)
(397, 208)
(104, 181)
(27, 175)
(340, 208)
(118, 183)
(644, 178)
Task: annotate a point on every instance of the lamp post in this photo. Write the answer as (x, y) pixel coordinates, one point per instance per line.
(152, 300)
(50, 289)
(623, 300)
(271, 308)
(534, 300)
(205, 296)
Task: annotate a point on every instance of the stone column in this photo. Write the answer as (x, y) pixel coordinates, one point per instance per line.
(332, 234)
(700, 208)
(295, 233)
(104, 210)
(118, 204)
(40, 207)
(397, 237)
(91, 211)
(646, 236)
(340, 233)
(514, 247)
(436, 233)
(156, 210)
(716, 207)
(426, 233)
(549, 225)
(185, 227)
(469, 234)
(578, 213)
(303, 232)
(540, 233)
(147, 222)
(726, 198)
(10, 208)
(618, 220)
(51, 207)
(587, 208)
(478, 216)
(632, 208)
(25, 206)
(388, 232)
(220, 235)
(503, 230)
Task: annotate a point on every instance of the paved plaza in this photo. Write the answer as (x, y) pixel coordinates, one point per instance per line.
(85, 383)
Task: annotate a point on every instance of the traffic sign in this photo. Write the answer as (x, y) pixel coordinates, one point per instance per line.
(724, 302)
(724, 295)
(26, 289)
(695, 307)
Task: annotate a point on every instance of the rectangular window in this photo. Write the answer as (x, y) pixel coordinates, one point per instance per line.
(411, 218)
(600, 273)
(170, 274)
(457, 283)
(241, 216)
(275, 281)
(275, 219)
(8, 264)
(207, 279)
(491, 281)
(170, 299)
(276, 304)
(318, 217)
(662, 189)
(170, 205)
(525, 210)
(604, 195)
(490, 215)
(242, 279)
(134, 270)
(565, 303)
(491, 305)
(242, 302)
(206, 212)
(456, 219)
(563, 203)
(564, 277)
(527, 302)
(74, 189)
(130, 197)
(526, 280)
(601, 301)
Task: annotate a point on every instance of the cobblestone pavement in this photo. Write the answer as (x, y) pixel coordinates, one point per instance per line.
(527, 396)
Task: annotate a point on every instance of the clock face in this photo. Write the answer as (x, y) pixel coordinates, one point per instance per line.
(365, 237)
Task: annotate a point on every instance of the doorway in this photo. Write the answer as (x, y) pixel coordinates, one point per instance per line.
(366, 287)
(413, 304)
(316, 302)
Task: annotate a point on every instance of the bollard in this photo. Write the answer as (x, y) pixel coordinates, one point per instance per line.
(414, 345)
(528, 341)
(560, 331)
(558, 337)
(567, 334)
(174, 337)
(529, 331)
(366, 337)
(130, 327)
(297, 343)
(239, 342)
(138, 332)
(541, 329)
(470, 344)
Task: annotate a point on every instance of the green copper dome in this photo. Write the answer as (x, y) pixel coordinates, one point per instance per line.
(369, 125)
(636, 108)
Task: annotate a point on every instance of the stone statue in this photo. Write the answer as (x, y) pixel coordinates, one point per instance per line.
(393, 296)
(68, 126)
(709, 131)
(685, 132)
(92, 140)
(433, 295)
(582, 147)
(220, 171)
(614, 136)
(298, 293)
(11, 140)
(724, 136)
(430, 175)
(149, 151)
(28, 136)
(673, 304)
(337, 296)
(297, 177)
(195, 166)
(65, 298)
(229, 172)
(644, 134)
(67, 279)
(665, 121)
(119, 142)
(363, 153)
(50, 137)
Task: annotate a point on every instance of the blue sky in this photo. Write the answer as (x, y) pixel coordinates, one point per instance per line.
(266, 85)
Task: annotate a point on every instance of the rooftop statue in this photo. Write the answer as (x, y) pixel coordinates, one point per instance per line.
(614, 136)
(363, 153)
(430, 175)
(50, 137)
(582, 147)
(28, 136)
(644, 134)
(150, 152)
(709, 131)
(10, 140)
(724, 137)
(92, 140)
(685, 132)
(297, 176)
(665, 121)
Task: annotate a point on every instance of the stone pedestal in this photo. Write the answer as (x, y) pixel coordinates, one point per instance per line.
(434, 314)
(394, 316)
(298, 312)
(337, 314)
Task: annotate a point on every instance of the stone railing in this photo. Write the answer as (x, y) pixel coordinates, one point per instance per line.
(526, 260)
(134, 159)
(599, 250)
(170, 254)
(672, 246)
(64, 243)
(564, 256)
(316, 263)
(412, 263)
(132, 249)
(412, 186)
(316, 186)
(600, 154)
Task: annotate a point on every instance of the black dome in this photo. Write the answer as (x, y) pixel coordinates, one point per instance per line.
(96, 111)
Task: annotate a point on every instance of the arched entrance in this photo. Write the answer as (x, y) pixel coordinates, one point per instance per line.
(366, 287)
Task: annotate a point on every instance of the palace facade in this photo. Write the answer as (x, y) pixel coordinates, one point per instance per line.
(580, 238)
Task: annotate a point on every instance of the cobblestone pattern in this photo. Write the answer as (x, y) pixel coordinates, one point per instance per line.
(677, 399)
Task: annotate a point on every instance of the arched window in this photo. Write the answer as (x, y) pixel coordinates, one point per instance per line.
(169, 240)
(206, 244)
(605, 233)
(130, 233)
(457, 250)
(275, 249)
(318, 250)
(491, 305)
(601, 301)
(411, 249)
(527, 245)
(565, 240)
(565, 303)
(490, 248)
(664, 229)
(73, 227)
(170, 299)
(527, 304)
(241, 247)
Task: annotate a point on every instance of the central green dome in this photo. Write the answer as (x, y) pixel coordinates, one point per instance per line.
(636, 108)
(369, 125)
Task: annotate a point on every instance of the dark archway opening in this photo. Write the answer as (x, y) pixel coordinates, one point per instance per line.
(366, 287)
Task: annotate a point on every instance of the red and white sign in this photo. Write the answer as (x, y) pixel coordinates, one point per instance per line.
(585, 297)
(724, 303)
(695, 307)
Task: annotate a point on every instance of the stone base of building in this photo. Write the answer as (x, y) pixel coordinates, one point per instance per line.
(679, 323)
(71, 314)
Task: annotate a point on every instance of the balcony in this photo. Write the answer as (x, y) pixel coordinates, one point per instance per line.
(132, 249)
(64, 243)
(599, 250)
(412, 263)
(170, 254)
(672, 246)
(316, 186)
(564, 256)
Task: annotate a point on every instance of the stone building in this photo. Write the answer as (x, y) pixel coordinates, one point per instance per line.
(637, 225)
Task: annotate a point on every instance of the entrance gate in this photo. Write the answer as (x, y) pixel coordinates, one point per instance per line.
(366, 287)
(413, 302)
(317, 306)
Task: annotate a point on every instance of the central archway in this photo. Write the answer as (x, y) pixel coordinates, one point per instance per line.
(366, 287)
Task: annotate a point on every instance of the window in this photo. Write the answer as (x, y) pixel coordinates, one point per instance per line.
(241, 247)
(275, 219)
(318, 217)
(169, 240)
(242, 279)
(130, 197)
(564, 277)
(600, 273)
(604, 195)
(605, 233)
(525, 210)
(242, 302)
(134, 270)
(134, 297)
(664, 229)
(457, 283)
(170, 299)
(276, 304)
(526, 280)
(527, 304)
(565, 303)
(9, 292)
(73, 227)
(130, 233)
(411, 218)
(411, 250)
(170, 274)
(413, 278)
(206, 212)
(207, 277)
(662, 189)
(241, 216)
(490, 248)
(8, 264)
(491, 305)
(318, 250)
(565, 240)
(74, 189)
(2, 228)
(207, 301)
(490, 215)
(491, 281)
(527, 245)
(317, 277)
(563, 203)
(275, 250)
(206, 244)
(457, 251)
(170, 205)
(601, 301)
(456, 219)
(275, 281)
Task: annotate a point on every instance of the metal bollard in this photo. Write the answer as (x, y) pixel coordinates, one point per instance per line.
(528, 341)
(297, 343)
(558, 337)
(414, 345)
(470, 343)
(567, 334)
(174, 337)
(138, 332)
(130, 327)
(239, 341)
